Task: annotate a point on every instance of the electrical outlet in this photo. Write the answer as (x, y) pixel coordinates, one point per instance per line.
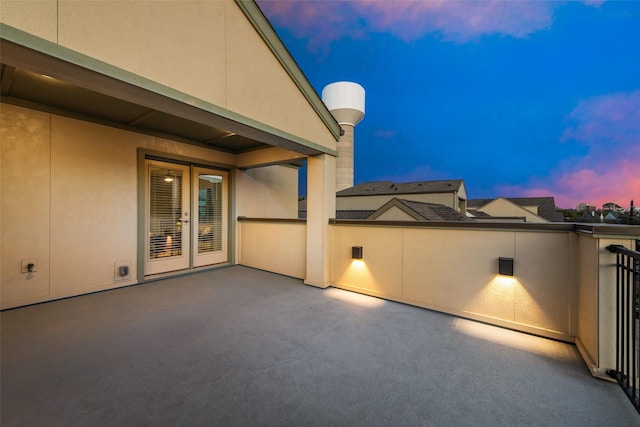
(29, 265)
(122, 270)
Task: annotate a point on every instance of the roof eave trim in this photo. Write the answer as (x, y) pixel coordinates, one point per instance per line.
(265, 29)
(29, 41)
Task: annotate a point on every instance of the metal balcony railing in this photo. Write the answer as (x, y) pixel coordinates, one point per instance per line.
(627, 321)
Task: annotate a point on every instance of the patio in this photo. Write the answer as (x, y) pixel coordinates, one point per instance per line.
(240, 346)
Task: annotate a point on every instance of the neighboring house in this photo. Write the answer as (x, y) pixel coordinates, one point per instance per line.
(591, 216)
(612, 217)
(398, 210)
(373, 195)
(407, 210)
(354, 214)
(527, 209)
(133, 134)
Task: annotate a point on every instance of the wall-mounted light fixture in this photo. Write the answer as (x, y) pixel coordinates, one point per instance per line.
(505, 266)
(356, 252)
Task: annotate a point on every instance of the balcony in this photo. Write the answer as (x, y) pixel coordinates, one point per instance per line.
(241, 346)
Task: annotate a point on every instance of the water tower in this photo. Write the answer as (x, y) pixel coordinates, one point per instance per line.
(345, 100)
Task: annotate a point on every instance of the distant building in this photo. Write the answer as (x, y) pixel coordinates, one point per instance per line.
(612, 207)
(373, 195)
(408, 210)
(521, 209)
(612, 217)
(398, 210)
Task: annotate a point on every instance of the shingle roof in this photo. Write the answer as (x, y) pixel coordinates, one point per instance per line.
(389, 187)
(546, 206)
(480, 214)
(427, 211)
(354, 214)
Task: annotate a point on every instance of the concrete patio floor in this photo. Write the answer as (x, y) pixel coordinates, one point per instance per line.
(241, 347)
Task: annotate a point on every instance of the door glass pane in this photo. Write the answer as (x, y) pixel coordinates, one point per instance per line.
(165, 208)
(209, 213)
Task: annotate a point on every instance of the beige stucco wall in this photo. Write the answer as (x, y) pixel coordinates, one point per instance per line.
(501, 207)
(455, 271)
(279, 247)
(207, 49)
(25, 198)
(267, 192)
(597, 304)
(587, 340)
(38, 17)
(374, 202)
(69, 197)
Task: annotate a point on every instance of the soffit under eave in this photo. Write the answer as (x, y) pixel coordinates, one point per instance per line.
(264, 28)
(23, 50)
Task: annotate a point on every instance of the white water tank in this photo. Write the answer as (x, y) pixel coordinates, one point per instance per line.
(345, 100)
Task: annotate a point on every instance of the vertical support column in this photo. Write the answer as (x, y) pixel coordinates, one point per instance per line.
(344, 162)
(321, 206)
(596, 339)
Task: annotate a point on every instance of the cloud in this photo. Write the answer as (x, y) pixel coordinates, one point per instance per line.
(319, 22)
(593, 3)
(323, 22)
(384, 134)
(458, 21)
(609, 126)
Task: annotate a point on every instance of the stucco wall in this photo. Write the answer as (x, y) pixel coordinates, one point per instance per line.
(267, 192)
(207, 49)
(279, 247)
(455, 271)
(587, 340)
(69, 197)
(38, 17)
(597, 304)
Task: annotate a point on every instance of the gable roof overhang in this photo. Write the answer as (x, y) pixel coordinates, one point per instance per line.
(397, 203)
(38, 74)
(388, 187)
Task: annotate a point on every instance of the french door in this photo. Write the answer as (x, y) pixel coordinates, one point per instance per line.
(185, 216)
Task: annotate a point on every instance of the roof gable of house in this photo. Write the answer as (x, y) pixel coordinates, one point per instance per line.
(421, 211)
(543, 207)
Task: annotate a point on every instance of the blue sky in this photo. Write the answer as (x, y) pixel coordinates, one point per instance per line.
(518, 98)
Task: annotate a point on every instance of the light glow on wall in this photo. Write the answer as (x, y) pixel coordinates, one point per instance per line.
(504, 281)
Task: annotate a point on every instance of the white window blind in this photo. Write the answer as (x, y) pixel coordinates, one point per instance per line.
(165, 209)
(209, 213)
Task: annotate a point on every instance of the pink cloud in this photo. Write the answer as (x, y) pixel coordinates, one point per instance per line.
(458, 21)
(323, 22)
(609, 126)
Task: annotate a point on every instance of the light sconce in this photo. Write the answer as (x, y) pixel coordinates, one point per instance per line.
(505, 266)
(356, 252)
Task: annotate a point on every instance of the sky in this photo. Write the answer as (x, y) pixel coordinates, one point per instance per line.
(519, 98)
